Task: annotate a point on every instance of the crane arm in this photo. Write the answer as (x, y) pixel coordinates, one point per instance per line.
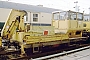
(14, 21)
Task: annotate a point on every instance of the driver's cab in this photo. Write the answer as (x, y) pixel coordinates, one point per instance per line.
(67, 21)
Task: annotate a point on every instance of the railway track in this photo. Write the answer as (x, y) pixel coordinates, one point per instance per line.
(61, 54)
(49, 55)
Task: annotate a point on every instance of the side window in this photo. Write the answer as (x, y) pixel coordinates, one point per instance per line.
(73, 16)
(56, 16)
(86, 17)
(63, 15)
(80, 16)
(35, 17)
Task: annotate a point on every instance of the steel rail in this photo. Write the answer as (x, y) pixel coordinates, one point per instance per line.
(60, 54)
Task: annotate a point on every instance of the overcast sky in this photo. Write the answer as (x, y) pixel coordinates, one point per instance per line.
(58, 4)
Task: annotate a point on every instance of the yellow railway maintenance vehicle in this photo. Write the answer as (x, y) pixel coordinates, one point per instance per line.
(67, 28)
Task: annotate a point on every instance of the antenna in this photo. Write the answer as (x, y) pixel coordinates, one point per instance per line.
(76, 7)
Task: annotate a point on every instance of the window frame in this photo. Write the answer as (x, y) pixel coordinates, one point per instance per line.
(35, 17)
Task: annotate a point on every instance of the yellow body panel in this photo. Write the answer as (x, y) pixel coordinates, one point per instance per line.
(86, 26)
(87, 23)
(41, 29)
(48, 38)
